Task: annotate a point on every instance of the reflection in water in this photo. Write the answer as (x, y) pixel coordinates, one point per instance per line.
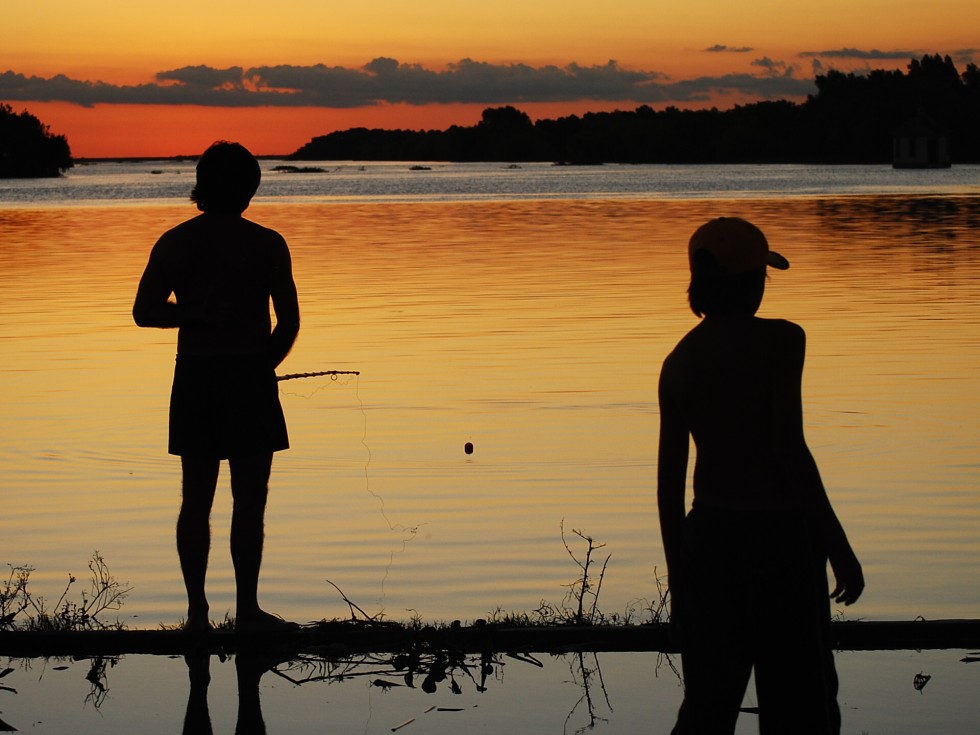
(614, 693)
(249, 669)
(533, 330)
(586, 672)
(427, 670)
(197, 718)
(98, 680)
(902, 217)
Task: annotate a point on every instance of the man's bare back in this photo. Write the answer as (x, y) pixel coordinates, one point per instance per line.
(222, 270)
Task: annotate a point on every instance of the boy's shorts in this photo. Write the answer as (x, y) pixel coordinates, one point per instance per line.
(757, 599)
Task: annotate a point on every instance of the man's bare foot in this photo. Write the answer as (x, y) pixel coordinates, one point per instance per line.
(263, 622)
(197, 624)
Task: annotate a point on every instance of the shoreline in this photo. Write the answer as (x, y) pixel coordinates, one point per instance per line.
(339, 638)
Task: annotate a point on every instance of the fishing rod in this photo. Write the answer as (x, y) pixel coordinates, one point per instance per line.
(332, 373)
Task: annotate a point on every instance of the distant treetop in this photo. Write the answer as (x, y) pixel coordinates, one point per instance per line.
(850, 119)
(28, 149)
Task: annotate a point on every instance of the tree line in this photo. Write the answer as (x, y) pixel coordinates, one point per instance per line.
(850, 119)
(28, 149)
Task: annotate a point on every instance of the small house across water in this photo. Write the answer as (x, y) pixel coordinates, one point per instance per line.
(921, 143)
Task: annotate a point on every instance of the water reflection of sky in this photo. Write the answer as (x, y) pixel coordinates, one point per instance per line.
(170, 181)
(622, 693)
(534, 330)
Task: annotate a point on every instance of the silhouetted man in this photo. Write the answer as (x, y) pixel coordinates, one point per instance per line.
(747, 565)
(222, 271)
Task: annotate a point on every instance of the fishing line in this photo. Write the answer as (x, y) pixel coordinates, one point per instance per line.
(411, 531)
(319, 373)
(320, 385)
(334, 376)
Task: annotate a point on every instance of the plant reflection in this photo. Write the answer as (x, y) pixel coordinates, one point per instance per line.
(432, 668)
(583, 674)
(421, 666)
(96, 677)
(416, 669)
(426, 670)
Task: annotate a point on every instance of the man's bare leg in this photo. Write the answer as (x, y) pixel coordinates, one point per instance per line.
(250, 489)
(200, 477)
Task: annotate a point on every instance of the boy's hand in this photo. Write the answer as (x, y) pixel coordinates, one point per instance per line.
(848, 575)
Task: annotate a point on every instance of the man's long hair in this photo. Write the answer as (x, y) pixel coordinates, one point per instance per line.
(228, 176)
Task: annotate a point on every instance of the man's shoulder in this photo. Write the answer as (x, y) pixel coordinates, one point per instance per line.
(259, 230)
(176, 238)
(262, 234)
(177, 229)
(184, 231)
(203, 228)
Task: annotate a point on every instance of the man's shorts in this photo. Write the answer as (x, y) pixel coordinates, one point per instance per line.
(224, 406)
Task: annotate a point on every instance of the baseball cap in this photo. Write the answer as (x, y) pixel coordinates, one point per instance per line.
(738, 246)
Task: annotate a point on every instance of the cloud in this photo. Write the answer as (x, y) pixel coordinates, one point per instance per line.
(719, 48)
(387, 81)
(854, 53)
(962, 56)
(773, 68)
(204, 76)
(767, 87)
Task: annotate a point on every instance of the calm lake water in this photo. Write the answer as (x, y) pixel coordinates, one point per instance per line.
(605, 693)
(526, 311)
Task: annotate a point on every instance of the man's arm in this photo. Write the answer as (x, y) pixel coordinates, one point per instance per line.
(285, 305)
(153, 307)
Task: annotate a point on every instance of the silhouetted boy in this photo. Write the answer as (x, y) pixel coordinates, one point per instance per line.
(747, 565)
(222, 271)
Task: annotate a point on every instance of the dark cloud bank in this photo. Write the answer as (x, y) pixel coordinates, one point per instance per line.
(386, 81)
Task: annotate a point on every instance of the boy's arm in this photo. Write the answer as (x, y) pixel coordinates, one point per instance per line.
(801, 470)
(671, 478)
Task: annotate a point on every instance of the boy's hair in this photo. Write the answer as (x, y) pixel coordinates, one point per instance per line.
(714, 291)
(228, 176)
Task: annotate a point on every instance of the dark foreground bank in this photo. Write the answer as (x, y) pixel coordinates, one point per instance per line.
(352, 637)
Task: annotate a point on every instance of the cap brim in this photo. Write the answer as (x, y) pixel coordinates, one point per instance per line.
(777, 261)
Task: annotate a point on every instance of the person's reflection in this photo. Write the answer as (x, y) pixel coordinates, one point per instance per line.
(249, 668)
(197, 718)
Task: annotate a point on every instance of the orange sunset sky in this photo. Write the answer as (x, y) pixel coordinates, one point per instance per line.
(133, 79)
